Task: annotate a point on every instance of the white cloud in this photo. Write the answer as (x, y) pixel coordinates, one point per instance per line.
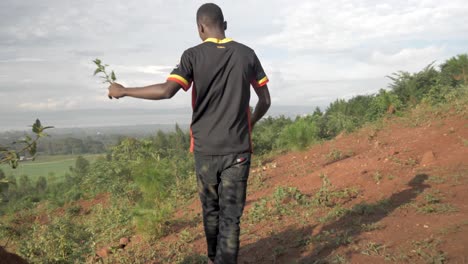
(51, 104)
(20, 59)
(148, 69)
(342, 25)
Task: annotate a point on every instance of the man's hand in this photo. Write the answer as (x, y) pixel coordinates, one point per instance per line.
(116, 91)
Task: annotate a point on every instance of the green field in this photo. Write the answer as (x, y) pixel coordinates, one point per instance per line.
(48, 166)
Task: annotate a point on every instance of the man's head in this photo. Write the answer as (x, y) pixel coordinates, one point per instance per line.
(210, 21)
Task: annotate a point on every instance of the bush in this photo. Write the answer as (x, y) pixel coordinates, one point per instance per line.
(298, 135)
(384, 102)
(267, 131)
(59, 242)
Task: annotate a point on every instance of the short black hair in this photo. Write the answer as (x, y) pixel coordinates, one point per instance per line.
(210, 15)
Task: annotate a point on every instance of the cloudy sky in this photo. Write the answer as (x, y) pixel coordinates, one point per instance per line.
(313, 51)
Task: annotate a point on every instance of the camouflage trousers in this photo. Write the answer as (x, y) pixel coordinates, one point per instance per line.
(222, 185)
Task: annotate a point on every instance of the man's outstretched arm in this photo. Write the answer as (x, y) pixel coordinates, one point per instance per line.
(263, 103)
(158, 91)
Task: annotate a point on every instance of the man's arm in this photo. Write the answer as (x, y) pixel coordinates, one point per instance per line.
(263, 103)
(158, 91)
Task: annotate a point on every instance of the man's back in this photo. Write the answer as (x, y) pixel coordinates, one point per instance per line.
(222, 72)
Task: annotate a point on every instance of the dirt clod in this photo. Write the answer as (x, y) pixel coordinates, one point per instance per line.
(427, 158)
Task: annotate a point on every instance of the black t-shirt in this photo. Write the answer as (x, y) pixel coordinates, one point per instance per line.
(221, 72)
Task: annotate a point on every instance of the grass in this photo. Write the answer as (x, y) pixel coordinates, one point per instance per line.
(436, 180)
(283, 201)
(374, 249)
(433, 204)
(377, 177)
(332, 238)
(329, 196)
(428, 251)
(453, 228)
(337, 155)
(52, 166)
(334, 214)
(371, 227)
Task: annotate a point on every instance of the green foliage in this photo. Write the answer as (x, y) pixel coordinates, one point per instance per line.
(336, 155)
(406, 91)
(433, 204)
(384, 102)
(110, 222)
(101, 68)
(61, 241)
(259, 211)
(411, 88)
(329, 196)
(285, 198)
(323, 196)
(454, 71)
(298, 135)
(428, 250)
(266, 133)
(12, 157)
(81, 166)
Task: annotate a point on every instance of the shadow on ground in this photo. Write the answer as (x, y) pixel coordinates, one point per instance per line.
(10, 258)
(289, 246)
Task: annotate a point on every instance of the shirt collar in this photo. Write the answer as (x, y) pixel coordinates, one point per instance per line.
(218, 41)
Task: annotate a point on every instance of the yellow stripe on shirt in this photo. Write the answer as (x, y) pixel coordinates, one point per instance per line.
(263, 81)
(218, 41)
(178, 77)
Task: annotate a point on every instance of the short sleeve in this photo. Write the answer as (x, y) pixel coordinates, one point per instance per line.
(259, 78)
(183, 72)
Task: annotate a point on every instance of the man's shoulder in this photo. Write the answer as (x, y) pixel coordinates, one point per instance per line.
(242, 47)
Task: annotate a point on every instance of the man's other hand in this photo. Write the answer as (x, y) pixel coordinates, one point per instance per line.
(116, 91)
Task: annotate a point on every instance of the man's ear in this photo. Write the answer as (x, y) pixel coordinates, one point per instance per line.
(201, 29)
(225, 25)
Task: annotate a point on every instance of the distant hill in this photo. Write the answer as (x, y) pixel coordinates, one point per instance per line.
(132, 120)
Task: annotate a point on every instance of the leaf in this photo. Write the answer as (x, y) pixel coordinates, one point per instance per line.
(47, 127)
(98, 70)
(113, 76)
(33, 149)
(13, 157)
(14, 163)
(37, 127)
(97, 61)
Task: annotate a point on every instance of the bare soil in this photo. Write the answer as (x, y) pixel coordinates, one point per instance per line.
(397, 168)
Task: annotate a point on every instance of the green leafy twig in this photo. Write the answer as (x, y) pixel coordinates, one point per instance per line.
(101, 68)
(30, 145)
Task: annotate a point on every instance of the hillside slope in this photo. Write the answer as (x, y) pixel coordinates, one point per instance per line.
(391, 192)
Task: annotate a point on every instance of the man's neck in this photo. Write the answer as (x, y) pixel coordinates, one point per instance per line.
(216, 35)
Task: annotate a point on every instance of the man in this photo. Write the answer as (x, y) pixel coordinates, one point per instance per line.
(221, 72)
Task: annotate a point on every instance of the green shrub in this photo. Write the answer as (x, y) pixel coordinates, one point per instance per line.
(382, 104)
(298, 135)
(266, 131)
(61, 241)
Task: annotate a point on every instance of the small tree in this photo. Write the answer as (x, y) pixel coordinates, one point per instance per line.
(81, 166)
(454, 71)
(41, 184)
(8, 155)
